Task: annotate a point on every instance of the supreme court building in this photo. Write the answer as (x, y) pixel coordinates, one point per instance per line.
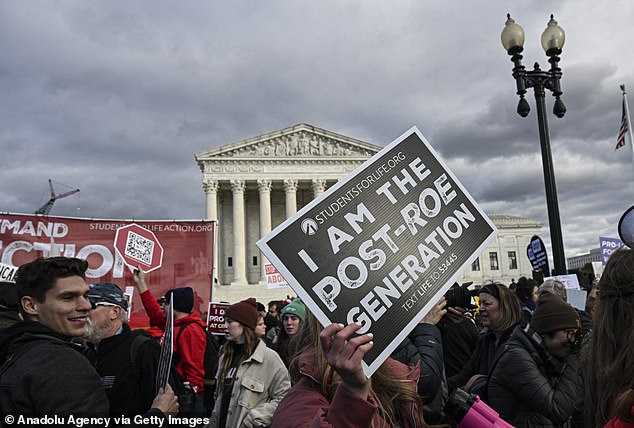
(252, 186)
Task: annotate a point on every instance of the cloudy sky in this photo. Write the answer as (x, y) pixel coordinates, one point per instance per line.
(115, 97)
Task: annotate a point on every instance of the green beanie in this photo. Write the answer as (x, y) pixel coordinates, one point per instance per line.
(296, 307)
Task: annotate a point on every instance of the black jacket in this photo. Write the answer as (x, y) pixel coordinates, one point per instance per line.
(423, 344)
(459, 341)
(130, 386)
(481, 359)
(46, 374)
(531, 388)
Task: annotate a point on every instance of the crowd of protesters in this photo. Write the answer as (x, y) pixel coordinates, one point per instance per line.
(66, 348)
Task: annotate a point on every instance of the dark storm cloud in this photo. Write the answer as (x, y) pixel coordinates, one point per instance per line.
(115, 98)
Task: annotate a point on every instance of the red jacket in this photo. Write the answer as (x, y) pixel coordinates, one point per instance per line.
(305, 406)
(191, 344)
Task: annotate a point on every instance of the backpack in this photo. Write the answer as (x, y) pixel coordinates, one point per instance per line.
(210, 364)
(212, 352)
(184, 394)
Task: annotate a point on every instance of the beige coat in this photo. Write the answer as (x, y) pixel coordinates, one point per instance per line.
(260, 384)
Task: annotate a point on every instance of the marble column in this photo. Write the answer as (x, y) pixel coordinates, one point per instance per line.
(290, 188)
(319, 187)
(239, 233)
(211, 188)
(211, 193)
(264, 188)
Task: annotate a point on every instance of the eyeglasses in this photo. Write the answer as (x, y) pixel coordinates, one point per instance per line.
(571, 334)
(95, 304)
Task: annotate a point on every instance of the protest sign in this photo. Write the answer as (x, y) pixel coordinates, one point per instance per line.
(167, 348)
(536, 252)
(570, 281)
(273, 278)
(216, 318)
(608, 246)
(577, 298)
(382, 245)
(597, 269)
(7, 272)
(138, 247)
(187, 260)
(129, 295)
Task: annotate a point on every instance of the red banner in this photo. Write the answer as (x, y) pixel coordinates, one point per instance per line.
(187, 260)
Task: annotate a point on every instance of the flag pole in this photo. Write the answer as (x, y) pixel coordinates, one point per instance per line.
(629, 122)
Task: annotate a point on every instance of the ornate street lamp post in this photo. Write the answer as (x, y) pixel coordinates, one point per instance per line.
(553, 40)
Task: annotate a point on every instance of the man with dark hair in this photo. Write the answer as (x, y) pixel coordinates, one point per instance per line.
(127, 362)
(272, 321)
(42, 372)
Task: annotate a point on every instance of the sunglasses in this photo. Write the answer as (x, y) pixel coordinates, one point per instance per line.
(95, 304)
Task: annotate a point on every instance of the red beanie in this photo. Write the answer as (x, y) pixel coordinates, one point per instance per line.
(245, 312)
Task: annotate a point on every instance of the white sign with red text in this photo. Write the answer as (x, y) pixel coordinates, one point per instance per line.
(274, 278)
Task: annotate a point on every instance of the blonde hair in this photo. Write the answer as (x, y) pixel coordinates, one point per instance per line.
(389, 392)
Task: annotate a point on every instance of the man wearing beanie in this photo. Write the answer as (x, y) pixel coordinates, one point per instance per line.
(534, 381)
(190, 338)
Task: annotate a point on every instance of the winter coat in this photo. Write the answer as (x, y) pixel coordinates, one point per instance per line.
(129, 385)
(190, 346)
(46, 374)
(459, 341)
(260, 384)
(531, 388)
(481, 359)
(424, 345)
(305, 406)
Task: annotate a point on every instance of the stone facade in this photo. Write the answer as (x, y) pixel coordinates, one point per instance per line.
(254, 185)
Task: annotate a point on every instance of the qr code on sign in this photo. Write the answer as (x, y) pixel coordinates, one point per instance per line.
(139, 248)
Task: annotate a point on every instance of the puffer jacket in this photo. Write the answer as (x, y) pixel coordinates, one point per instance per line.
(531, 388)
(306, 406)
(424, 345)
(260, 384)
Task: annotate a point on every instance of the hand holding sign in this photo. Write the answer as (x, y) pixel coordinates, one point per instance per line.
(139, 280)
(436, 313)
(345, 354)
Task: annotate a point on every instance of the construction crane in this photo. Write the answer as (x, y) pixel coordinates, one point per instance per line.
(46, 208)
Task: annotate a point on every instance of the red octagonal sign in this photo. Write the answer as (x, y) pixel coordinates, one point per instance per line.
(138, 247)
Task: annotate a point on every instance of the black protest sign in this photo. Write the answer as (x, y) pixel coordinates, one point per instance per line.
(382, 245)
(536, 252)
(167, 348)
(216, 318)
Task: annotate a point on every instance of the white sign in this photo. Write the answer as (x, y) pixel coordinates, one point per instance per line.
(382, 245)
(7, 272)
(274, 278)
(571, 281)
(577, 298)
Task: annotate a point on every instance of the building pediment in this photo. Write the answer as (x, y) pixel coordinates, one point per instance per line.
(299, 141)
